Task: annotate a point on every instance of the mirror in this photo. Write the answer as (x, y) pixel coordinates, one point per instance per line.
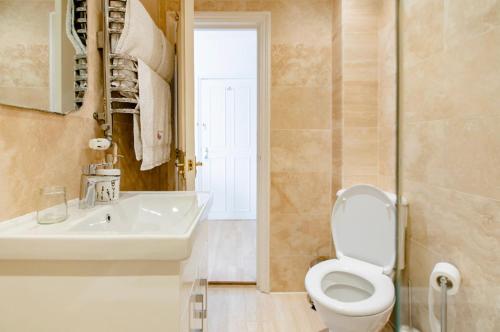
(43, 54)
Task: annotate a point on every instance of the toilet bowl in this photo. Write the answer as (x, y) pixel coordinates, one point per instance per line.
(355, 292)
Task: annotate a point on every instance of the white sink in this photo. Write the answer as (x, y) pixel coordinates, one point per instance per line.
(140, 226)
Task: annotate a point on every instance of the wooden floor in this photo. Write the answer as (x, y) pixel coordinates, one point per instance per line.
(245, 309)
(232, 250)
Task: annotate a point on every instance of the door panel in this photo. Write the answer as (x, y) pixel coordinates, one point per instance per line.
(185, 37)
(227, 131)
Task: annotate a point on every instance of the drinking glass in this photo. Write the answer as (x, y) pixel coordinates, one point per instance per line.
(52, 205)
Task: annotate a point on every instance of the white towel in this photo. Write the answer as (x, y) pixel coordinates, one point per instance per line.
(142, 39)
(152, 134)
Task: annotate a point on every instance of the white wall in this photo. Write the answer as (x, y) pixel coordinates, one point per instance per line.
(225, 53)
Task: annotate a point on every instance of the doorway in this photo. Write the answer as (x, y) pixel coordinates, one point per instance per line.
(226, 143)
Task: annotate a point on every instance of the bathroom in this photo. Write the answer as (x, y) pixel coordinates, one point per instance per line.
(396, 99)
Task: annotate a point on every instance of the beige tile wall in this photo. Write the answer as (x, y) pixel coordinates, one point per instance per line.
(450, 153)
(364, 92)
(387, 87)
(360, 91)
(40, 149)
(337, 97)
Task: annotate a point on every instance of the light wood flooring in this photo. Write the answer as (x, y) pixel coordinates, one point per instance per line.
(245, 309)
(232, 250)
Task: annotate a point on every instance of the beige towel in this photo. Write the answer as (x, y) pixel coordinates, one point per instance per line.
(152, 134)
(142, 39)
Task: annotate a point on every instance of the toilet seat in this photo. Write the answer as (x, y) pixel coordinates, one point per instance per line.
(355, 275)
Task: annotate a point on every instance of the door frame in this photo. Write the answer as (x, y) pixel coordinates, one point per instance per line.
(261, 22)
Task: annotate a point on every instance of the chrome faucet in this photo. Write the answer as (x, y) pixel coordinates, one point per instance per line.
(88, 183)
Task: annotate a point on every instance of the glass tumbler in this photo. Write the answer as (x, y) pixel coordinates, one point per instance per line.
(52, 205)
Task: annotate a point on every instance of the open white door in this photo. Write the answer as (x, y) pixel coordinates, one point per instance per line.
(227, 119)
(186, 161)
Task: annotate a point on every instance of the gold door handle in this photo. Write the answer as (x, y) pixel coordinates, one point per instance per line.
(192, 164)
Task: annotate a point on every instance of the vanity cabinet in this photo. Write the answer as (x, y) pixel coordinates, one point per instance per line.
(117, 282)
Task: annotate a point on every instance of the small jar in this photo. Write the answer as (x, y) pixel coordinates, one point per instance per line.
(108, 190)
(52, 206)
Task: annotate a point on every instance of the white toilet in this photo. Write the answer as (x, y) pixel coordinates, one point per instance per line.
(355, 292)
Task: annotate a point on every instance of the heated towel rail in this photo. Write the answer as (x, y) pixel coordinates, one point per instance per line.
(121, 85)
(80, 66)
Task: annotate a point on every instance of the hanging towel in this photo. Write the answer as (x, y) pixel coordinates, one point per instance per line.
(142, 39)
(152, 134)
(71, 29)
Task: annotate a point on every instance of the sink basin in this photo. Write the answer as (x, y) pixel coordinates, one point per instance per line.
(140, 226)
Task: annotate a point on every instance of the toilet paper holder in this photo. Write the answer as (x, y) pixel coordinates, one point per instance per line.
(444, 278)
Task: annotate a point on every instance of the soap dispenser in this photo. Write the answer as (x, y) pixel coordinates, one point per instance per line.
(107, 189)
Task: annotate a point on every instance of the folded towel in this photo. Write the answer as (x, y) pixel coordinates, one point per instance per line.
(152, 134)
(142, 39)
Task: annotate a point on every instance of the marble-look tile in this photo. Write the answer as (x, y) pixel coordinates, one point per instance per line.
(387, 98)
(288, 272)
(365, 70)
(301, 151)
(300, 234)
(300, 107)
(360, 154)
(300, 192)
(465, 19)
(360, 93)
(51, 152)
(468, 73)
(439, 219)
(460, 154)
(293, 64)
(360, 119)
(301, 21)
(351, 180)
(337, 66)
(424, 29)
(387, 151)
(450, 150)
(360, 47)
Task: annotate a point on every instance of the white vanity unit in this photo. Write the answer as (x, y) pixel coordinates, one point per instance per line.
(137, 265)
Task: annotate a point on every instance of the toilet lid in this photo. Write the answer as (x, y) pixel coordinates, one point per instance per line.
(364, 226)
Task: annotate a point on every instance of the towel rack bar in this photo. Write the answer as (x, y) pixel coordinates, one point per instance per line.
(122, 56)
(116, 20)
(117, 9)
(121, 71)
(124, 100)
(125, 111)
(124, 79)
(121, 89)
